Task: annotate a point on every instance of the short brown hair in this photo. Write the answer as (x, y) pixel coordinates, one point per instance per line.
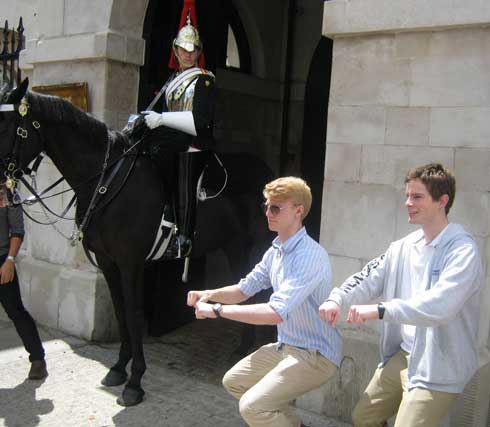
(437, 179)
(290, 188)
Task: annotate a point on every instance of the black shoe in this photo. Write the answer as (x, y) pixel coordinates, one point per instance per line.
(38, 370)
(179, 247)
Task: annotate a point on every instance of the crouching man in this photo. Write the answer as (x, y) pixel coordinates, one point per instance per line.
(308, 351)
(429, 285)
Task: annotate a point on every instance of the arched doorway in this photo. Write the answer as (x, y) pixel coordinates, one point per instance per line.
(250, 97)
(225, 46)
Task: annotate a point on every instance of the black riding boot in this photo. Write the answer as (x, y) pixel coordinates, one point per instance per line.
(190, 167)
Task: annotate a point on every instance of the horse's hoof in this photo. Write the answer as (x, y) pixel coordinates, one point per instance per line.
(131, 396)
(114, 378)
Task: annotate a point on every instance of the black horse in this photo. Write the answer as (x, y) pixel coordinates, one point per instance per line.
(122, 228)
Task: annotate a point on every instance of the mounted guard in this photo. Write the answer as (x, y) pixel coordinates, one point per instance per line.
(185, 127)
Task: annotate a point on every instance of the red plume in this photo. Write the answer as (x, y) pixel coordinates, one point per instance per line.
(189, 6)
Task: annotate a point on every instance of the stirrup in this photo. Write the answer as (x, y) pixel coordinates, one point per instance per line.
(179, 247)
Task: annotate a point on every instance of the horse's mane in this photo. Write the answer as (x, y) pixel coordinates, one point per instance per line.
(52, 109)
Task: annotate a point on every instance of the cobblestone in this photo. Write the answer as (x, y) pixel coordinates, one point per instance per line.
(182, 382)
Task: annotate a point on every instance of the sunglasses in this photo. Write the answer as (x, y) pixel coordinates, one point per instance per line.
(274, 209)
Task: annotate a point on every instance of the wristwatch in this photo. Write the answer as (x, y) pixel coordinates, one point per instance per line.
(11, 258)
(217, 309)
(381, 310)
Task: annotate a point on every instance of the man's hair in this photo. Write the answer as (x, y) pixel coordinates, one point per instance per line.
(437, 179)
(289, 188)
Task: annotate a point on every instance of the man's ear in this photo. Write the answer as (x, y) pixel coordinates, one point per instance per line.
(301, 210)
(443, 201)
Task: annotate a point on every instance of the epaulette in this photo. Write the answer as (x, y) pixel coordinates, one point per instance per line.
(208, 73)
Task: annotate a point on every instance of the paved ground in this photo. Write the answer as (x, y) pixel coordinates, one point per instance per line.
(182, 382)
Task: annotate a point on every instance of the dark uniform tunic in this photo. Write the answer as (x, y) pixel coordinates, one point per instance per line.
(192, 90)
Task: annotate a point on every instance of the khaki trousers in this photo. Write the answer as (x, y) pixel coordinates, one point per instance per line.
(387, 395)
(267, 381)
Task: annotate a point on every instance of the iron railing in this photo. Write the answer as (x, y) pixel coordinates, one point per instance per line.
(11, 43)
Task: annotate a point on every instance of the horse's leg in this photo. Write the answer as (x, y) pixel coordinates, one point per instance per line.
(117, 374)
(132, 284)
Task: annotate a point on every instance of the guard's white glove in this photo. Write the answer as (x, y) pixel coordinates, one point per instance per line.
(153, 120)
(179, 120)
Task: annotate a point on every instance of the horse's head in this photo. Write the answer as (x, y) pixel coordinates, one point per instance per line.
(20, 140)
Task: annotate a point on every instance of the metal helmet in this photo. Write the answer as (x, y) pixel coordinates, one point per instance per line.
(188, 37)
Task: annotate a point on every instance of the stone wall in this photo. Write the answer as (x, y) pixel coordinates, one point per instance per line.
(410, 85)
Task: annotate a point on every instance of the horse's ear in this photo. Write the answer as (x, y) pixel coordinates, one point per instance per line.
(18, 93)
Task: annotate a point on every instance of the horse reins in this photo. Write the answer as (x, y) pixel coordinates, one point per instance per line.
(14, 174)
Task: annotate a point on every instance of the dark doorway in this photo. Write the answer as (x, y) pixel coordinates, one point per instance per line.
(165, 294)
(317, 94)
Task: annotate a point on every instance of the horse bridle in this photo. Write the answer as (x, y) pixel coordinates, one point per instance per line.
(13, 173)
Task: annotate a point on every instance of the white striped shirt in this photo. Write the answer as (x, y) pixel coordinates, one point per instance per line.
(300, 275)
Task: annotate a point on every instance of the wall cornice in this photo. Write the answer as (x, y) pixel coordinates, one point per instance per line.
(80, 47)
(343, 18)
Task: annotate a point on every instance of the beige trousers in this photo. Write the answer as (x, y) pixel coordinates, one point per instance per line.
(387, 395)
(267, 381)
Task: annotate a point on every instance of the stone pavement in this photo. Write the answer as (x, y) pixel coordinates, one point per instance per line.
(182, 381)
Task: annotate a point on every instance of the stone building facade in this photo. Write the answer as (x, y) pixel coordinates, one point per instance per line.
(410, 84)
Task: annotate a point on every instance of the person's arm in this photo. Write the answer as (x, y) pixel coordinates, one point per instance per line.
(203, 105)
(197, 122)
(363, 286)
(254, 314)
(226, 295)
(8, 267)
(16, 230)
(254, 282)
(311, 271)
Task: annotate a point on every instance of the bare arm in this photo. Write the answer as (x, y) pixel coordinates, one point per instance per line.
(254, 314)
(14, 247)
(7, 268)
(226, 295)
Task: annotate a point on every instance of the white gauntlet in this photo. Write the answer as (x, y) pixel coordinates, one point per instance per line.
(178, 120)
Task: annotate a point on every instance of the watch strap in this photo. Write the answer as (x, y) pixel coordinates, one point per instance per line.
(217, 309)
(381, 310)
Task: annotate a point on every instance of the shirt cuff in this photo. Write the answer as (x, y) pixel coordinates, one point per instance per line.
(280, 308)
(246, 288)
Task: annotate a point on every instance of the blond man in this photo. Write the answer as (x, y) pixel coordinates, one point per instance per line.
(308, 351)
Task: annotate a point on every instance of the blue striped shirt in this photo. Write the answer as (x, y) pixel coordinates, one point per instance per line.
(300, 275)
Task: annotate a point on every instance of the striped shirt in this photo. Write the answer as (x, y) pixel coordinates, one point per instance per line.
(299, 273)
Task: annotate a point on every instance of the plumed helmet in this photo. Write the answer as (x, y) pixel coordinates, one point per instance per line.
(188, 37)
